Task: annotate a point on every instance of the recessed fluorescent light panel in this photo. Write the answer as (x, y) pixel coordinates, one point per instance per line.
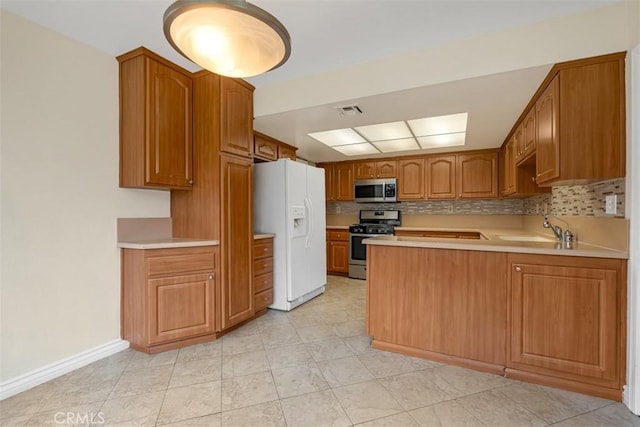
(428, 132)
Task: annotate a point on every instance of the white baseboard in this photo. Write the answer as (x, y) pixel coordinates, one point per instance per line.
(54, 370)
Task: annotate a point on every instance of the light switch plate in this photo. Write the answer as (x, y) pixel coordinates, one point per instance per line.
(610, 204)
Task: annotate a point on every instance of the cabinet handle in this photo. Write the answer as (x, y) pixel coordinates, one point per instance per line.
(211, 277)
(191, 181)
(265, 282)
(265, 249)
(518, 269)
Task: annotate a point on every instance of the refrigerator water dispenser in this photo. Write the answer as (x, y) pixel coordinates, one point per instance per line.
(298, 213)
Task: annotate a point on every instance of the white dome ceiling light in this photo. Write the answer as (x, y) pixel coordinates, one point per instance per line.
(232, 38)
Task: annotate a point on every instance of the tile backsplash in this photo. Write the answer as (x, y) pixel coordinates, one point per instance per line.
(574, 200)
(578, 200)
(439, 207)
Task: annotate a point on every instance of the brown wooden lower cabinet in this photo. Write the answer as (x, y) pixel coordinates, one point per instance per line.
(567, 322)
(338, 252)
(553, 320)
(263, 273)
(168, 297)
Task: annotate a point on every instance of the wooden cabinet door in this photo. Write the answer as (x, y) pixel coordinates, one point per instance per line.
(510, 167)
(236, 242)
(264, 148)
(169, 146)
(286, 152)
(364, 170)
(343, 181)
(518, 143)
(236, 117)
(529, 133)
(565, 319)
(180, 307)
(329, 186)
(339, 256)
(411, 179)
(386, 169)
(477, 175)
(547, 141)
(441, 177)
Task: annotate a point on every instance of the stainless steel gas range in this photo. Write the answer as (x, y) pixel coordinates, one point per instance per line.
(372, 223)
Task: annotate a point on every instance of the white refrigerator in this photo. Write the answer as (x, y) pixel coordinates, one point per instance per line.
(289, 200)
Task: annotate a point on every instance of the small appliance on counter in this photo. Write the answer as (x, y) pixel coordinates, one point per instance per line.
(372, 223)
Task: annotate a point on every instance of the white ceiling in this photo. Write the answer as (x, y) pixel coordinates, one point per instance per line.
(331, 34)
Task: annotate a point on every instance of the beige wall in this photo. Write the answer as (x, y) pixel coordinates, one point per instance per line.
(580, 35)
(60, 268)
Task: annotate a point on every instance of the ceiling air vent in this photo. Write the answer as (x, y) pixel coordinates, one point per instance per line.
(350, 110)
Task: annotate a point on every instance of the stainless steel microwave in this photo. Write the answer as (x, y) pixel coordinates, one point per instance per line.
(375, 190)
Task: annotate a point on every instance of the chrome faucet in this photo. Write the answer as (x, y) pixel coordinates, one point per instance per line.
(566, 236)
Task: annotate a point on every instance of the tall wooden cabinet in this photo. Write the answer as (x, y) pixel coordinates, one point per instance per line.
(219, 205)
(236, 239)
(156, 149)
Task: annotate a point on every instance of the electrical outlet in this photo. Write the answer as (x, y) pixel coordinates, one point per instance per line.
(610, 204)
(449, 209)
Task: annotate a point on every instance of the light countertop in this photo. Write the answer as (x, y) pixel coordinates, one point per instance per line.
(166, 243)
(338, 227)
(498, 240)
(263, 236)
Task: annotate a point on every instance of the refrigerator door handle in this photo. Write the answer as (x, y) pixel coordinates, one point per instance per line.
(309, 206)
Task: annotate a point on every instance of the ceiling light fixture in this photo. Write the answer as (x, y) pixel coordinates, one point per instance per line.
(409, 135)
(232, 38)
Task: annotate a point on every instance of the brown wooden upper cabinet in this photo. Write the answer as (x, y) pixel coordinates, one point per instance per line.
(156, 147)
(411, 179)
(527, 140)
(375, 169)
(440, 176)
(236, 117)
(264, 147)
(343, 181)
(477, 175)
(329, 192)
(286, 152)
(580, 122)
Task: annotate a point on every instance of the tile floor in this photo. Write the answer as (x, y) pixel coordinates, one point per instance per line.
(310, 367)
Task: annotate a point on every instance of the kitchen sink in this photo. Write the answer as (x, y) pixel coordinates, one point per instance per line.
(514, 238)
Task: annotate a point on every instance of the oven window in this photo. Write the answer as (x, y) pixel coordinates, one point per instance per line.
(369, 191)
(358, 250)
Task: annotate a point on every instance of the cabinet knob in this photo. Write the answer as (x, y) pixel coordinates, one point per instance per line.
(191, 181)
(265, 249)
(211, 277)
(518, 269)
(265, 282)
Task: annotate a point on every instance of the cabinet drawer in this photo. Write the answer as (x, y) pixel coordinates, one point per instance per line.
(180, 263)
(263, 282)
(262, 266)
(339, 236)
(263, 249)
(263, 299)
